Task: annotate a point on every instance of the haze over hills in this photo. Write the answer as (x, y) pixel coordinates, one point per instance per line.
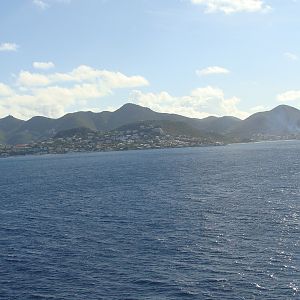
(280, 121)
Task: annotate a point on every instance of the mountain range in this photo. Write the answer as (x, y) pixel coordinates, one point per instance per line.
(279, 122)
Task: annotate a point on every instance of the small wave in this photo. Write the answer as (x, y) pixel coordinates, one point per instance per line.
(294, 287)
(260, 287)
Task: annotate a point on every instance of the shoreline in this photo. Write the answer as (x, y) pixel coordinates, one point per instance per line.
(145, 149)
(110, 151)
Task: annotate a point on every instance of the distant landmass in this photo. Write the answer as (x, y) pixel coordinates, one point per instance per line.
(279, 123)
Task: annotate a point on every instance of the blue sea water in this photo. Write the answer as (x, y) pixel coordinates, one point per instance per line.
(194, 223)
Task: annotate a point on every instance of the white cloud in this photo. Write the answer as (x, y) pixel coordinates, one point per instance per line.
(258, 108)
(291, 56)
(82, 74)
(44, 4)
(52, 101)
(41, 4)
(5, 90)
(53, 94)
(292, 95)
(200, 103)
(32, 79)
(233, 6)
(8, 47)
(212, 70)
(43, 65)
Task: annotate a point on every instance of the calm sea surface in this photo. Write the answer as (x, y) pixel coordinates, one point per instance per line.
(200, 223)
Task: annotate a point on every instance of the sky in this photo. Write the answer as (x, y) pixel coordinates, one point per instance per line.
(191, 57)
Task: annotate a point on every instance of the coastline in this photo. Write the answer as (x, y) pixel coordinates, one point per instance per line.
(145, 149)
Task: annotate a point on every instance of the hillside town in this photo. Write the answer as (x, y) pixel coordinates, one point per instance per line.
(84, 140)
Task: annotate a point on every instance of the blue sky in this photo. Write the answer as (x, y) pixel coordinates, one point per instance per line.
(192, 57)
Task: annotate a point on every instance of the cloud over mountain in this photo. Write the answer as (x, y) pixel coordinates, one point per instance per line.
(52, 94)
(287, 96)
(201, 102)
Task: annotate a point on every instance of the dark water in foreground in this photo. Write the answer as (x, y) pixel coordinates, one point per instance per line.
(206, 223)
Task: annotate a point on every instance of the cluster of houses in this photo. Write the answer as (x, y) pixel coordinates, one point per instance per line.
(143, 137)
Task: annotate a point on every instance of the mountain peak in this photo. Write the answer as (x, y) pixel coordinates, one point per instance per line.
(9, 117)
(131, 107)
(284, 108)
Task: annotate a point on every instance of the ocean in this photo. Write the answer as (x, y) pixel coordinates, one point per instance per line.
(189, 223)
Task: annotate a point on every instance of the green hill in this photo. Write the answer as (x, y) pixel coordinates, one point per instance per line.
(280, 121)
